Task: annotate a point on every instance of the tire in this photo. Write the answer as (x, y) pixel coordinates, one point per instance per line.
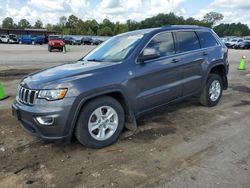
(90, 138)
(206, 98)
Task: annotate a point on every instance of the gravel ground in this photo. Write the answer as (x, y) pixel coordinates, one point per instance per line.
(181, 145)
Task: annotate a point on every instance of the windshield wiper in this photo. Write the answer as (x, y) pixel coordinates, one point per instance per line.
(96, 60)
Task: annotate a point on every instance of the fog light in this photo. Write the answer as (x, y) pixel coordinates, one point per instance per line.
(45, 120)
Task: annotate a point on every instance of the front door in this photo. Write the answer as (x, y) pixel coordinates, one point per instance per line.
(158, 80)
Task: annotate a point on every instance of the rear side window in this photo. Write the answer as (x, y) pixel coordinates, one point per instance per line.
(207, 39)
(163, 43)
(188, 41)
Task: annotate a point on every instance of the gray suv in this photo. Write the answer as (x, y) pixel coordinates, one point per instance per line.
(128, 75)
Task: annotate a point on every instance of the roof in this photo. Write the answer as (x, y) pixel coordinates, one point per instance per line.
(166, 28)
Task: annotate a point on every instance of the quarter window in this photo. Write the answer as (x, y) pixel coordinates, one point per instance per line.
(187, 41)
(163, 43)
(206, 39)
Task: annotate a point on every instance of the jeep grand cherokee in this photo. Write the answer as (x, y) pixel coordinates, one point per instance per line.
(123, 78)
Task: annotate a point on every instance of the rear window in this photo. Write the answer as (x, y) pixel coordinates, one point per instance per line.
(188, 41)
(207, 39)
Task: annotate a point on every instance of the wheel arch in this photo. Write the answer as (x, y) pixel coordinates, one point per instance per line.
(219, 69)
(130, 121)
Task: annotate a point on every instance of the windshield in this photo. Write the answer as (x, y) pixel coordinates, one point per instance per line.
(55, 37)
(115, 49)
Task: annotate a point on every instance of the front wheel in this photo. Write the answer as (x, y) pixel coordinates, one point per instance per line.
(100, 122)
(212, 92)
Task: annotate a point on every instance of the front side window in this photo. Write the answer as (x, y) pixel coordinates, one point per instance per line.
(188, 41)
(163, 44)
(206, 39)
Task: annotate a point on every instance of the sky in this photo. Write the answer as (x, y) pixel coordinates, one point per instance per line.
(49, 11)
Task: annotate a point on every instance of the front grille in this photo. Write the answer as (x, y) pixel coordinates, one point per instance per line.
(26, 96)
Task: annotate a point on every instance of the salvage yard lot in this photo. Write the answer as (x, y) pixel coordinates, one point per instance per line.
(181, 145)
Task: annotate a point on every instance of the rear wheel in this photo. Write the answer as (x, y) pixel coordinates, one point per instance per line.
(212, 91)
(100, 122)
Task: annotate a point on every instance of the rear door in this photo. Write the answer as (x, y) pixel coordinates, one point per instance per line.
(158, 80)
(192, 58)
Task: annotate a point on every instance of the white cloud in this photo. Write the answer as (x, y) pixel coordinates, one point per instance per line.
(116, 10)
(47, 5)
(49, 11)
(123, 10)
(110, 3)
(233, 4)
(234, 11)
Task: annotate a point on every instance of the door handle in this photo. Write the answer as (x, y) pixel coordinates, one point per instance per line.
(205, 53)
(175, 60)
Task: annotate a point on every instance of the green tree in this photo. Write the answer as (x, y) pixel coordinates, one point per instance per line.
(212, 18)
(38, 24)
(73, 24)
(94, 26)
(23, 23)
(105, 31)
(72, 21)
(49, 27)
(8, 23)
(233, 29)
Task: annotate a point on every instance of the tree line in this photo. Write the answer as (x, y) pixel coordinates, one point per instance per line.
(76, 26)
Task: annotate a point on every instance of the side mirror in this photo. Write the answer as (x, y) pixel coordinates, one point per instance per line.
(148, 54)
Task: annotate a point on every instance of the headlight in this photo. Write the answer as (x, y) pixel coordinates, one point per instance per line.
(52, 94)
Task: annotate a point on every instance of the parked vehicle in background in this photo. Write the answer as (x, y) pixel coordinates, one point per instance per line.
(96, 41)
(69, 40)
(129, 75)
(4, 39)
(78, 41)
(11, 39)
(55, 42)
(87, 41)
(243, 45)
(235, 41)
(72, 40)
(31, 39)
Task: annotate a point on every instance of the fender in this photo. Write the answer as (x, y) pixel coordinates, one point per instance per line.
(210, 67)
(81, 100)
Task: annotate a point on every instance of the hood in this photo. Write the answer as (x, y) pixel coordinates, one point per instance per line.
(43, 78)
(56, 40)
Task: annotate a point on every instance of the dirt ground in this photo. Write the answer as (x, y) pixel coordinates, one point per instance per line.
(181, 145)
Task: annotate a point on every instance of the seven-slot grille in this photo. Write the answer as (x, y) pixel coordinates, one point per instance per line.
(26, 96)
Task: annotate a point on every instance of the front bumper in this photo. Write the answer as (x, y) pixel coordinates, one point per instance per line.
(60, 110)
